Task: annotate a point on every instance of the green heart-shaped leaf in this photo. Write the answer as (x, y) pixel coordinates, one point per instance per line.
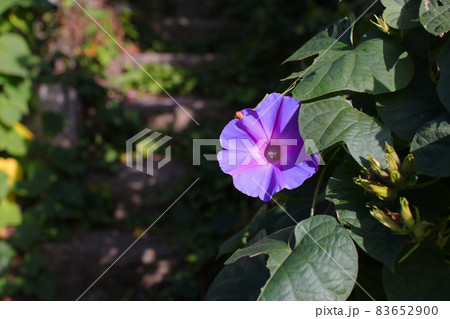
(321, 265)
(431, 148)
(402, 14)
(435, 16)
(376, 66)
(334, 120)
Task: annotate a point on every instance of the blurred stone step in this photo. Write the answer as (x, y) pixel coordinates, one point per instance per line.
(192, 61)
(76, 263)
(194, 7)
(161, 112)
(184, 29)
(188, 8)
(134, 191)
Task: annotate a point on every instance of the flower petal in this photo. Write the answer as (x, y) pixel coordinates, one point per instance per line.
(251, 124)
(271, 183)
(258, 181)
(240, 130)
(287, 124)
(235, 160)
(278, 115)
(294, 176)
(233, 132)
(268, 112)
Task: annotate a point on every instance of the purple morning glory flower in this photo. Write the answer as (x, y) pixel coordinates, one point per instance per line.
(263, 150)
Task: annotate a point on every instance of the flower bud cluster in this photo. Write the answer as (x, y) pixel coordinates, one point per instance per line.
(385, 183)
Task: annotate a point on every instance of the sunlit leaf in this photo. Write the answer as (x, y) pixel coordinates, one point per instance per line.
(10, 214)
(377, 65)
(335, 36)
(402, 14)
(4, 187)
(334, 120)
(435, 16)
(13, 53)
(321, 265)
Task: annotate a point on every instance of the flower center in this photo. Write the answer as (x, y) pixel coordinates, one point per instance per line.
(272, 153)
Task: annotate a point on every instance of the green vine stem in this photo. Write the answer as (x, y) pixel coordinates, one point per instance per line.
(418, 186)
(319, 182)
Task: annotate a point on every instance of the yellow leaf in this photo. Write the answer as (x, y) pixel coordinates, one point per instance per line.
(23, 131)
(12, 168)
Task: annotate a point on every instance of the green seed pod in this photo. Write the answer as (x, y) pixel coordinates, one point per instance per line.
(376, 167)
(383, 192)
(395, 176)
(407, 217)
(391, 163)
(391, 151)
(408, 165)
(364, 183)
(379, 215)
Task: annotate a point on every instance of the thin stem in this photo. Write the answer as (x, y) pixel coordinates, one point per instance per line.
(291, 87)
(418, 186)
(410, 252)
(319, 182)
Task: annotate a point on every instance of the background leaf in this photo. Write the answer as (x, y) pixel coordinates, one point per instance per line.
(435, 16)
(402, 14)
(422, 276)
(263, 219)
(4, 187)
(13, 53)
(14, 144)
(443, 85)
(275, 245)
(241, 280)
(376, 66)
(349, 199)
(10, 214)
(7, 4)
(325, 39)
(431, 148)
(405, 111)
(329, 121)
(311, 270)
(7, 253)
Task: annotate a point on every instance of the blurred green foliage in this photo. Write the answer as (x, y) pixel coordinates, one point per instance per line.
(177, 81)
(52, 198)
(46, 197)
